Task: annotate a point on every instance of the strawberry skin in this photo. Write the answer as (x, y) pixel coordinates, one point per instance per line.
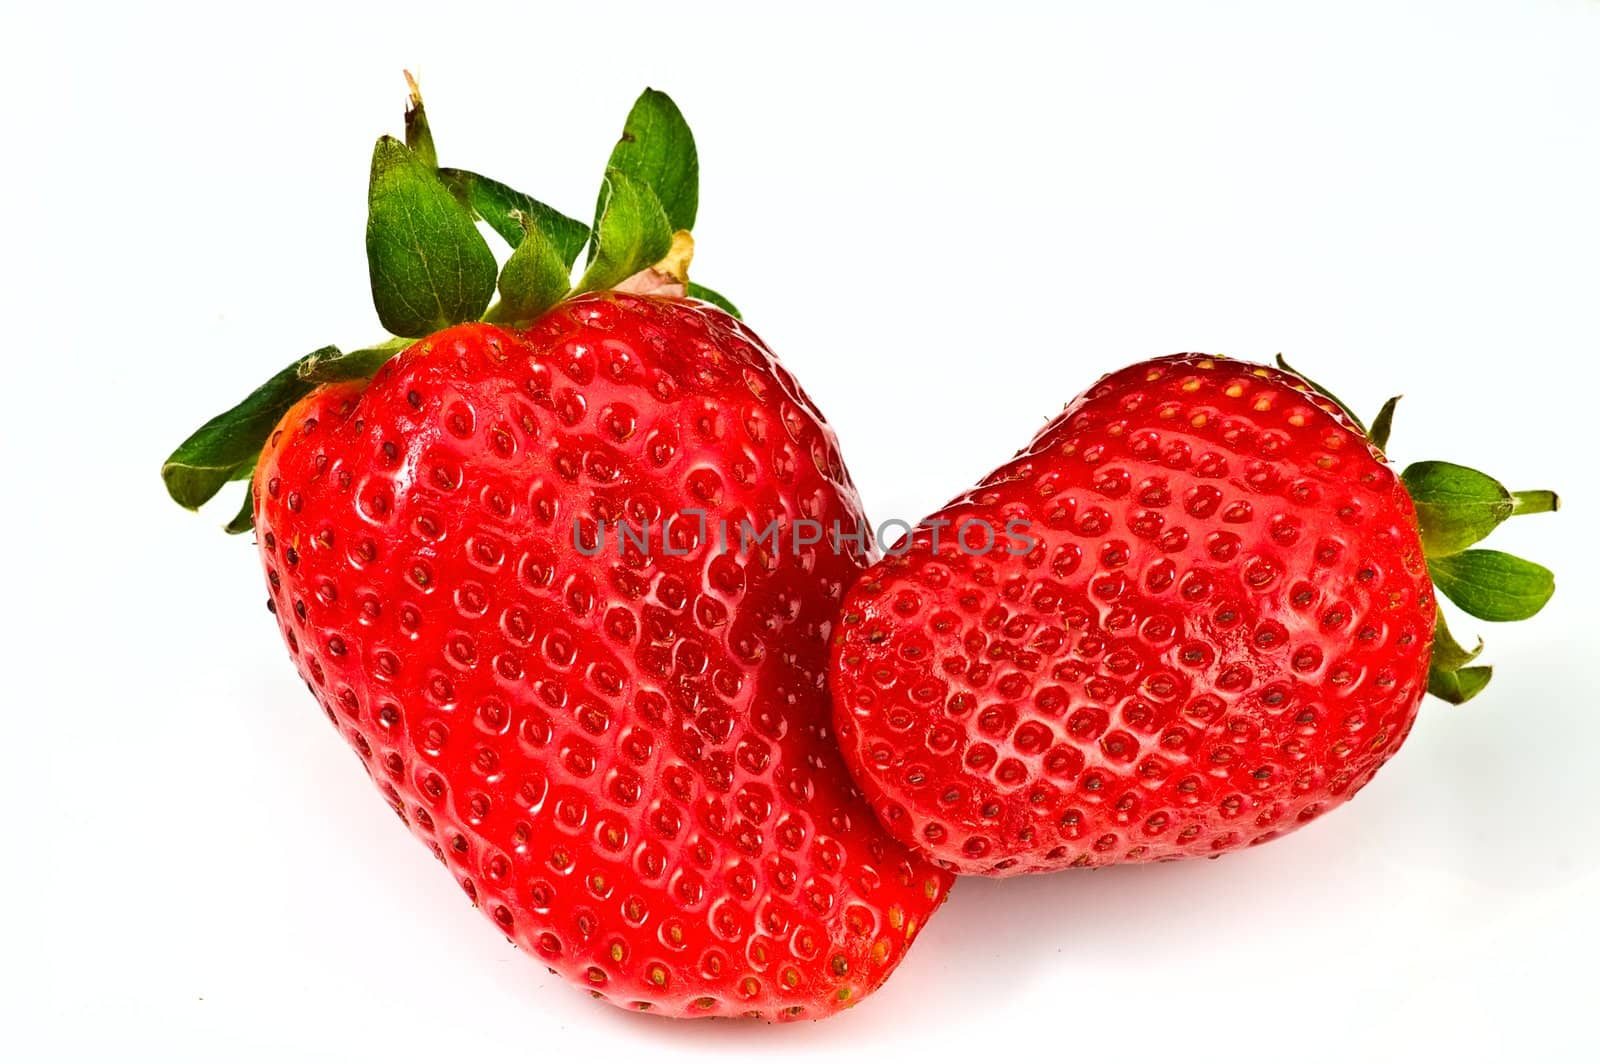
(1219, 631)
(626, 761)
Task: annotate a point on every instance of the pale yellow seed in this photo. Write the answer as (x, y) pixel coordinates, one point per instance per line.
(1198, 421)
(1233, 391)
(1190, 385)
(1206, 363)
(1263, 404)
(1153, 375)
(1297, 420)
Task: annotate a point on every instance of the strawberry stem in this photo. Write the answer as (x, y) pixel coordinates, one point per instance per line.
(1535, 502)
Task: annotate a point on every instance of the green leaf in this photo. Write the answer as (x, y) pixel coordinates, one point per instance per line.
(245, 519)
(331, 365)
(500, 206)
(226, 447)
(700, 291)
(419, 138)
(1449, 677)
(1459, 686)
(631, 233)
(1456, 506)
(1320, 390)
(430, 267)
(1493, 585)
(1379, 433)
(534, 278)
(657, 150)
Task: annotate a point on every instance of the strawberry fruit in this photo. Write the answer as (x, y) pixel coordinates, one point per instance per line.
(1196, 612)
(620, 747)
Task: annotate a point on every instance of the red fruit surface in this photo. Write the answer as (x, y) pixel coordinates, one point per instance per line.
(1220, 633)
(625, 760)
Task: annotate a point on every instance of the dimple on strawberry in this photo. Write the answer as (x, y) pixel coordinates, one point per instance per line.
(1196, 612)
(620, 747)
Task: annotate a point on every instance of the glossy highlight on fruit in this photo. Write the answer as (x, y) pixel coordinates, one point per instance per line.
(1221, 632)
(626, 760)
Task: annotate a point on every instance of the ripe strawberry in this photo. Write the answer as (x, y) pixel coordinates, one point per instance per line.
(622, 753)
(1205, 620)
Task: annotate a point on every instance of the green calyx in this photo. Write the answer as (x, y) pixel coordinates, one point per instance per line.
(1456, 508)
(430, 267)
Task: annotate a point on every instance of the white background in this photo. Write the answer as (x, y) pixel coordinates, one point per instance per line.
(947, 224)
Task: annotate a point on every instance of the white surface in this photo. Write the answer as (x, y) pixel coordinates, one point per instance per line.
(947, 224)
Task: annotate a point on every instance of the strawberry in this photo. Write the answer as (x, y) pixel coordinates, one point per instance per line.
(1193, 614)
(498, 557)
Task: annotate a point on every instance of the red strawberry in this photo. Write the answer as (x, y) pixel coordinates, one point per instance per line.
(1210, 623)
(623, 753)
